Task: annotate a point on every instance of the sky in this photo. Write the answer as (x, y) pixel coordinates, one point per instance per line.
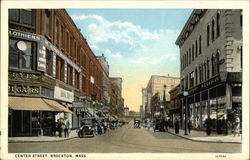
(137, 43)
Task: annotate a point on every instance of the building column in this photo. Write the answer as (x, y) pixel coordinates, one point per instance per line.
(54, 65)
(228, 98)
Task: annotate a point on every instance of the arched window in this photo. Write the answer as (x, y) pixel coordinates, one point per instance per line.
(205, 70)
(213, 30)
(218, 24)
(192, 52)
(200, 44)
(196, 76)
(218, 62)
(200, 73)
(189, 55)
(208, 35)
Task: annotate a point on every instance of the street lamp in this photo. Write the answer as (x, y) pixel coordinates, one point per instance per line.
(185, 93)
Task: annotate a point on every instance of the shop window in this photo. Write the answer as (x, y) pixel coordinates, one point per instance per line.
(23, 16)
(212, 93)
(208, 35)
(204, 95)
(21, 54)
(241, 57)
(236, 91)
(221, 90)
(218, 24)
(49, 62)
(69, 75)
(213, 30)
(47, 92)
(47, 23)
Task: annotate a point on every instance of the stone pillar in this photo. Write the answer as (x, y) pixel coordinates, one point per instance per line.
(54, 65)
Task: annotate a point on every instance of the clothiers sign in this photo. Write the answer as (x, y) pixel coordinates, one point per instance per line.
(63, 95)
(24, 35)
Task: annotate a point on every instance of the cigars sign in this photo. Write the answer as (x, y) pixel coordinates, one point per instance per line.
(23, 89)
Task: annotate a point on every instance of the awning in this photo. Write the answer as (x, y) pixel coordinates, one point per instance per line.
(35, 104)
(55, 104)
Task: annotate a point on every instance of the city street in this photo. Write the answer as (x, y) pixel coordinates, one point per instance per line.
(126, 139)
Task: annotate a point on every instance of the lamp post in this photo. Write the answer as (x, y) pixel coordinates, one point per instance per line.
(185, 93)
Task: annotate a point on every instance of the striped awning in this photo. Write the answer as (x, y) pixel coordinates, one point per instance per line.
(35, 104)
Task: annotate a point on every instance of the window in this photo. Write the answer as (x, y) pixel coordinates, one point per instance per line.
(196, 48)
(196, 76)
(67, 42)
(217, 62)
(241, 18)
(241, 57)
(213, 30)
(76, 85)
(205, 71)
(218, 25)
(57, 33)
(69, 75)
(23, 16)
(49, 62)
(62, 37)
(59, 68)
(190, 56)
(191, 79)
(186, 85)
(200, 74)
(21, 58)
(47, 23)
(200, 44)
(208, 35)
(213, 65)
(192, 52)
(208, 75)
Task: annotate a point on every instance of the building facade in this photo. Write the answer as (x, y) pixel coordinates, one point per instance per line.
(174, 107)
(50, 66)
(106, 97)
(211, 65)
(145, 110)
(115, 94)
(161, 85)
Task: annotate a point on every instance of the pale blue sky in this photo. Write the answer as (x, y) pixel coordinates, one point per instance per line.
(138, 43)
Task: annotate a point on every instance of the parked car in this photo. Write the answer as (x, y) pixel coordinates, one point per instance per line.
(88, 127)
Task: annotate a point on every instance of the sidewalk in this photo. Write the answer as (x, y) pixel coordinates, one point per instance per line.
(201, 136)
(72, 134)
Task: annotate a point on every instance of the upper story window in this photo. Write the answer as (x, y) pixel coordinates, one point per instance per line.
(241, 18)
(218, 24)
(21, 54)
(205, 70)
(59, 68)
(218, 62)
(69, 75)
(200, 45)
(208, 35)
(23, 16)
(191, 79)
(76, 85)
(47, 23)
(189, 56)
(213, 61)
(57, 33)
(62, 37)
(196, 76)
(213, 30)
(49, 62)
(196, 48)
(208, 70)
(192, 52)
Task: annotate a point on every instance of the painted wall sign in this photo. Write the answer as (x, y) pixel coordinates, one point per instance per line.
(23, 89)
(63, 95)
(24, 35)
(19, 76)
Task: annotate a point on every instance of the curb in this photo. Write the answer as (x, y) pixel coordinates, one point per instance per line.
(203, 141)
(59, 140)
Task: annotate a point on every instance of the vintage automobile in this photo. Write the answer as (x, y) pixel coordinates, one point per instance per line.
(88, 127)
(137, 123)
(159, 125)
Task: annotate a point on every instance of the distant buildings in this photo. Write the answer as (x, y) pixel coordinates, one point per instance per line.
(211, 65)
(126, 111)
(157, 87)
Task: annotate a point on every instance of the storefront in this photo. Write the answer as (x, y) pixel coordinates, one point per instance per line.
(33, 116)
(214, 99)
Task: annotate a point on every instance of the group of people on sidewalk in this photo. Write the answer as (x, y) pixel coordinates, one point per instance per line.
(62, 125)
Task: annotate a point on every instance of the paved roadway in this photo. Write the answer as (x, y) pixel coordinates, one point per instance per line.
(125, 140)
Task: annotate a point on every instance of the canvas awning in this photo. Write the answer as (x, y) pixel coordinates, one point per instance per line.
(35, 104)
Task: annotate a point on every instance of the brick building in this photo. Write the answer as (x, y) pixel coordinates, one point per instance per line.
(50, 66)
(211, 65)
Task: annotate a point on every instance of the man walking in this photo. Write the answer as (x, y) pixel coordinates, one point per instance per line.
(176, 126)
(66, 129)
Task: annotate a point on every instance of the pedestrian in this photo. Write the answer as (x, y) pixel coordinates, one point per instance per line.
(208, 126)
(53, 128)
(59, 127)
(66, 129)
(189, 126)
(237, 126)
(224, 126)
(166, 125)
(176, 126)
